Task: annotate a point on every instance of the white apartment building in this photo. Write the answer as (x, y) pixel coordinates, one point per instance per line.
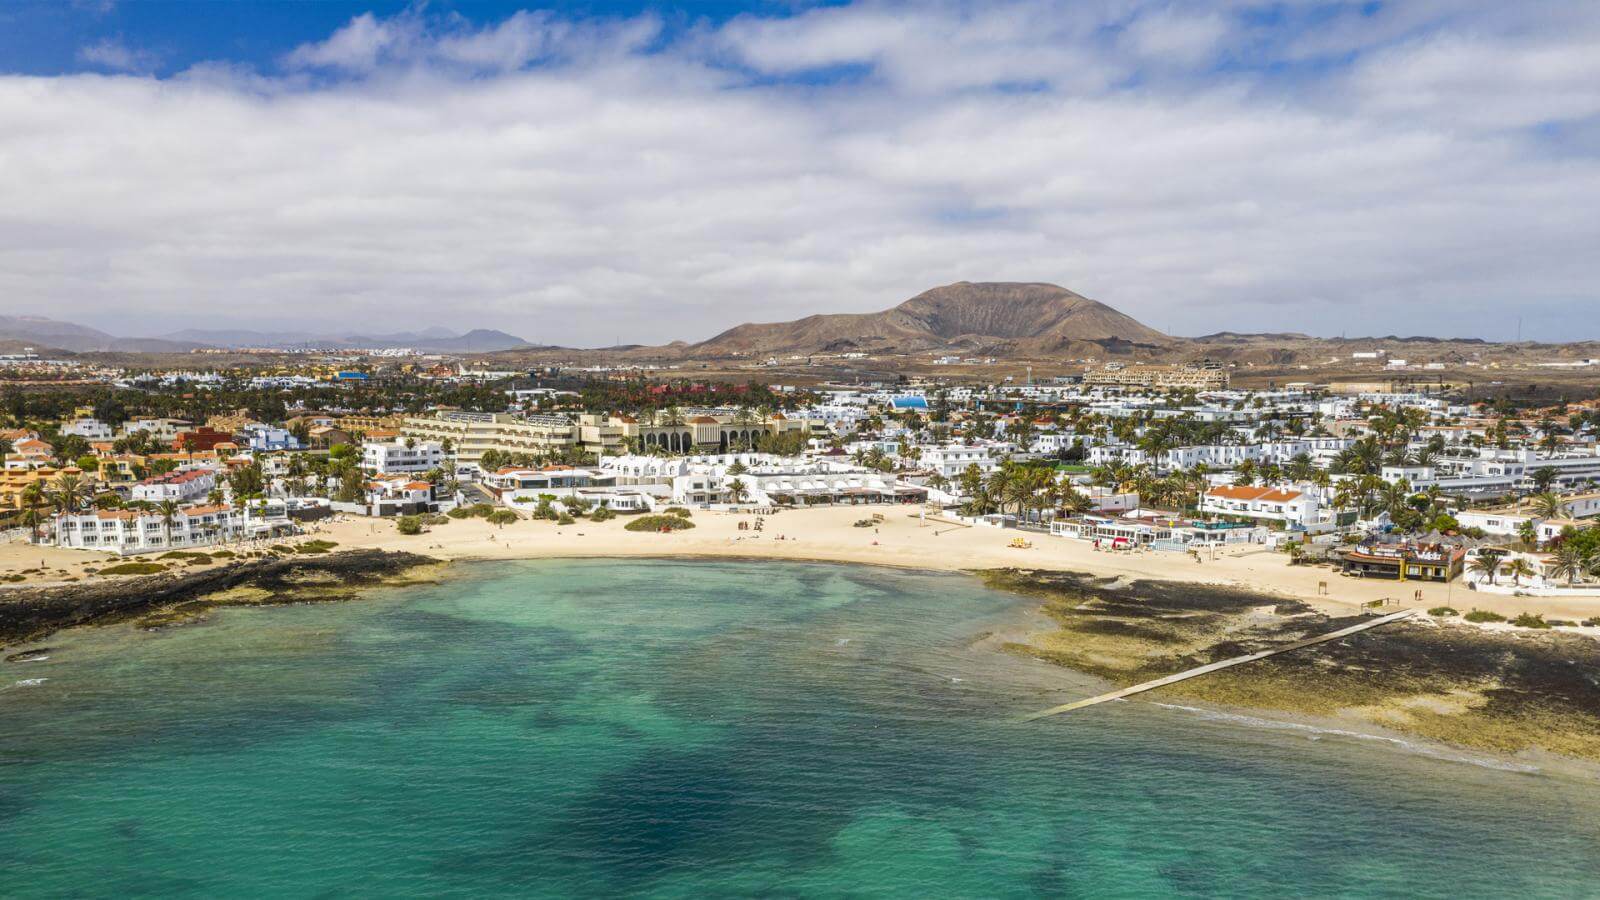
(1499, 471)
(182, 486)
(768, 480)
(1221, 456)
(950, 460)
(162, 430)
(90, 429)
(1291, 507)
(1508, 521)
(398, 458)
(472, 433)
(518, 487)
(127, 531)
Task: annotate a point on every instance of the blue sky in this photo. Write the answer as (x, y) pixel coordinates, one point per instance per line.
(44, 37)
(579, 172)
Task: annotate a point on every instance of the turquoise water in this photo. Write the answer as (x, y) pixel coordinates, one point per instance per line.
(685, 729)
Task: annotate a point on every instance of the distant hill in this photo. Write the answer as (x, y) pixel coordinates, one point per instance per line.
(50, 334)
(440, 340)
(42, 332)
(1009, 317)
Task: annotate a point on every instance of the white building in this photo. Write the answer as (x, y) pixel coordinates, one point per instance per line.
(127, 531)
(766, 480)
(950, 460)
(1291, 507)
(183, 486)
(90, 429)
(398, 495)
(399, 458)
(162, 430)
(518, 487)
(1221, 456)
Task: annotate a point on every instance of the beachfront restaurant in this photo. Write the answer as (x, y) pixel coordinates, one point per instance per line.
(1116, 531)
(815, 492)
(1405, 562)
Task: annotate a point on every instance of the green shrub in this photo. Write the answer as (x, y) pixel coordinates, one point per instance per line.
(199, 559)
(408, 525)
(222, 554)
(565, 520)
(659, 523)
(1591, 623)
(1443, 611)
(1529, 620)
(1483, 615)
(502, 517)
(134, 568)
(316, 546)
(602, 514)
(677, 511)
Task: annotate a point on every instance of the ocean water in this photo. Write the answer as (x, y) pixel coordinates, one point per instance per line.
(699, 729)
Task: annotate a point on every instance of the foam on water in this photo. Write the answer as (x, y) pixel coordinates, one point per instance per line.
(1316, 732)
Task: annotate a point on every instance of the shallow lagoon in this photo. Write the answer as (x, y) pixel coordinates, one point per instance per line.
(679, 728)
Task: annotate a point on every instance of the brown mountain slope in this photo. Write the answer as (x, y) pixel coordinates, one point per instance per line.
(1014, 317)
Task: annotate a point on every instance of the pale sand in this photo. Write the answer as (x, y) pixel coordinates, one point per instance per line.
(827, 534)
(904, 539)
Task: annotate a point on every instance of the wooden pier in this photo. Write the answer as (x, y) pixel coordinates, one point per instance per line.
(1218, 666)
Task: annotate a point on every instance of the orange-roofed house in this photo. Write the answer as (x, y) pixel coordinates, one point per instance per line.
(30, 453)
(1293, 507)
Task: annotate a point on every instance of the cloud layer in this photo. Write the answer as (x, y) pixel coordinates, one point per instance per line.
(1414, 168)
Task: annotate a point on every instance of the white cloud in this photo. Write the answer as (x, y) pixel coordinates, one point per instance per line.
(584, 181)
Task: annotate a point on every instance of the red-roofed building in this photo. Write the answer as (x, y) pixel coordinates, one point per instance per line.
(180, 487)
(202, 438)
(30, 453)
(1292, 507)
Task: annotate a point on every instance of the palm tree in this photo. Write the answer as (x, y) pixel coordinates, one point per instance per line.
(1519, 569)
(1487, 562)
(1528, 532)
(67, 493)
(32, 518)
(1548, 505)
(1569, 563)
(169, 514)
(1074, 501)
(737, 489)
(1543, 477)
(998, 484)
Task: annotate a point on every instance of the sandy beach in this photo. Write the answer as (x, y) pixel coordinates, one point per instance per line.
(906, 539)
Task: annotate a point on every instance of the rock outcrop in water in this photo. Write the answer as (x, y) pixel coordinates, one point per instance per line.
(28, 614)
(1505, 692)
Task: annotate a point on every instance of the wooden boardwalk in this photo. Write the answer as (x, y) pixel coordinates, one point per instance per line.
(1218, 666)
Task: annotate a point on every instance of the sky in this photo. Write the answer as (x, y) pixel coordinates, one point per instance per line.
(591, 173)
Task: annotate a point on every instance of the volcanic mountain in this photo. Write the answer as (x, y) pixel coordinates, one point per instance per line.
(1010, 318)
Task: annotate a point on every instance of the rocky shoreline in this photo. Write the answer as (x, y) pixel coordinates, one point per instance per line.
(1507, 692)
(30, 614)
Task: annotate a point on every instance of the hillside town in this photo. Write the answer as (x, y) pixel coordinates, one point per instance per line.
(1408, 485)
